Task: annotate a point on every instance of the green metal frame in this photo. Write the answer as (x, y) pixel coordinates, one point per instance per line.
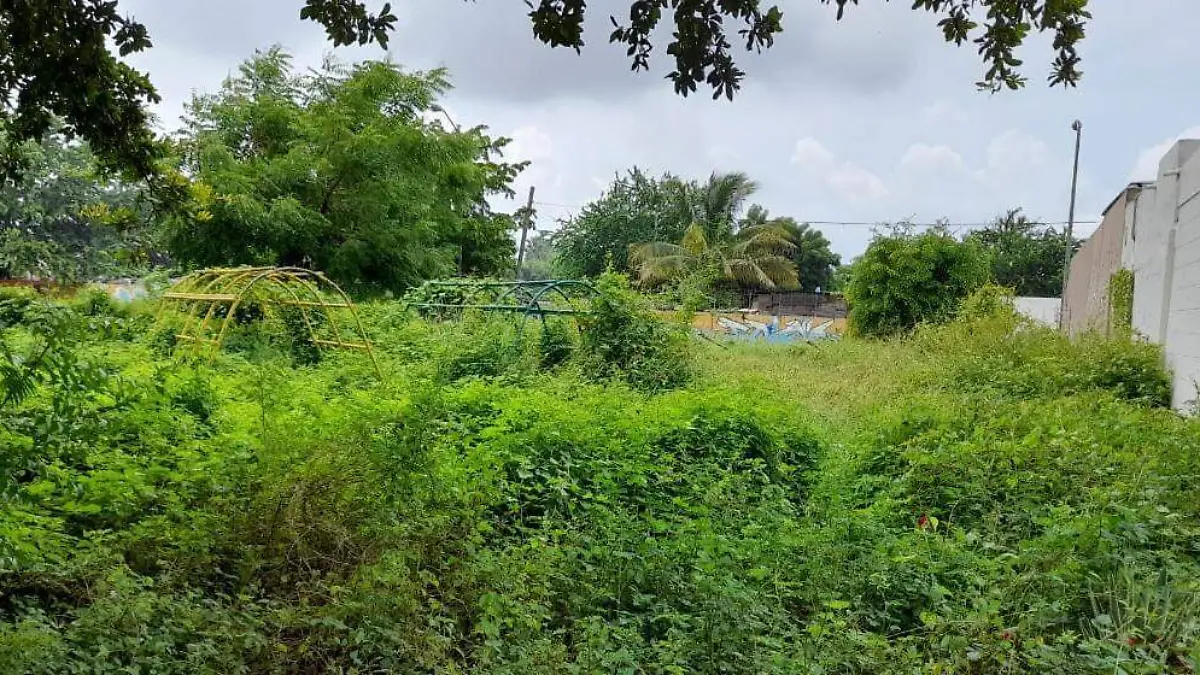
(201, 295)
(530, 298)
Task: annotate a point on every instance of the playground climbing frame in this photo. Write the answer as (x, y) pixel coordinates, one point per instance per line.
(209, 300)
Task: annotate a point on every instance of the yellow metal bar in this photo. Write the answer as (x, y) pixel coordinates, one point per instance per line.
(194, 306)
(191, 338)
(257, 274)
(358, 321)
(211, 297)
(347, 345)
(306, 303)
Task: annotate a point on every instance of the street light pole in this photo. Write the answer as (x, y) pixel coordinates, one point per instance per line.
(1077, 126)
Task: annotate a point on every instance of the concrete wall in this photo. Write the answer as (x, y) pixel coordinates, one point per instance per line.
(1154, 230)
(1042, 310)
(1086, 306)
(1182, 268)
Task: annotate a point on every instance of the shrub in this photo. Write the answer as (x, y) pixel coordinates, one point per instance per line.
(622, 339)
(556, 342)
(482, 345)
(988, 302)
(1011, 356)
(903, 280)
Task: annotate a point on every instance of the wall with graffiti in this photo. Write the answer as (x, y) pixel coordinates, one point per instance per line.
(124, 291)
(753, 326)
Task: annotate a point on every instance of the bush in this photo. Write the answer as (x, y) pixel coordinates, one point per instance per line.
(622, 339)
(988, 302)
(1012, 356)
(903, 280)
(482, 345)
(556, 342)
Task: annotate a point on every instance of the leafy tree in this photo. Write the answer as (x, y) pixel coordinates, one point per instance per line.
(815, 263)
(340, 170)
(1026, 255)
(904, 279)
(55, 60)
(636, 208)
(63, 221)
(757, 256)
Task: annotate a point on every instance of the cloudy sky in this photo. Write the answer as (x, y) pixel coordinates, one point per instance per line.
(870, 119)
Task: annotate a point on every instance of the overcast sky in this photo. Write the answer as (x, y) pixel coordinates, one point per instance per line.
(871, 119)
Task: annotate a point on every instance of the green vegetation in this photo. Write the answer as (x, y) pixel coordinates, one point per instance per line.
(810, 253)
(905, 279)
(1120, 301)
(56, 59)
(755, 256)
(1026, 256)
(984, 496)
(697, 241)
(62, 221)
(339, 171)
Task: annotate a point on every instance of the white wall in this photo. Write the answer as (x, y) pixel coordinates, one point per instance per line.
(1183, 321)
(1162, 247)
(1042, 310)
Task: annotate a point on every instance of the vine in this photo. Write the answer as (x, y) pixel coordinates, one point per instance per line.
(1120, 300)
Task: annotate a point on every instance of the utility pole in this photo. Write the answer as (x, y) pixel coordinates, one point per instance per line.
(1077, 126)
(526, 224)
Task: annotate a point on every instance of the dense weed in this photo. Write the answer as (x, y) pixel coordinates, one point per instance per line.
(981, 497)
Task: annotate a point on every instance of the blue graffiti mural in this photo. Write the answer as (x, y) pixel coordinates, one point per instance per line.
(798, 330)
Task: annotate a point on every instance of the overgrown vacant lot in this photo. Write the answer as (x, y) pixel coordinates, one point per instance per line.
(981, 497)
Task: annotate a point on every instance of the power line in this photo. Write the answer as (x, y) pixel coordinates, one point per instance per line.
(863, 223)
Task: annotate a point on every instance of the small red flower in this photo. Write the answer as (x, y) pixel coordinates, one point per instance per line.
(923, 521)
(1133, 640)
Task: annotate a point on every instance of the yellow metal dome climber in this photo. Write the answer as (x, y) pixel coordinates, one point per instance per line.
(209, 300)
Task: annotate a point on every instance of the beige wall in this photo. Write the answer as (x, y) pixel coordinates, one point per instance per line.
(1086, 297)
(1154, 230)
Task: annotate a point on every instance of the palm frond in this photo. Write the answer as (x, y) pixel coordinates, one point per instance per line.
(664, 268)
(765, 238)
(780, 270)
(746, 272)
(641, 253)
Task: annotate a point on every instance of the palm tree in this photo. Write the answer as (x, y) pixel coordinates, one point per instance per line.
(815, 262)
(755, 256)
(716, 204)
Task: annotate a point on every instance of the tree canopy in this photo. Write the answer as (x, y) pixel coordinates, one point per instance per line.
(669, 228)
(55, 59)
(635, 208)
(1027, 256)
(815, 262)
(346, 170)
(63, 221)
(756, 256)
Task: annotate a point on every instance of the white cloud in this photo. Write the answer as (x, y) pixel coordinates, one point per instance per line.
(1146, 166)
(850, 181)
(943, 112)
(810, 153)
(529, 143)
(1016, 150)
(856, 184)
(922, 157)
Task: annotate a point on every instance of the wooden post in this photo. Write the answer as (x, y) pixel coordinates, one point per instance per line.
(526, 223)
